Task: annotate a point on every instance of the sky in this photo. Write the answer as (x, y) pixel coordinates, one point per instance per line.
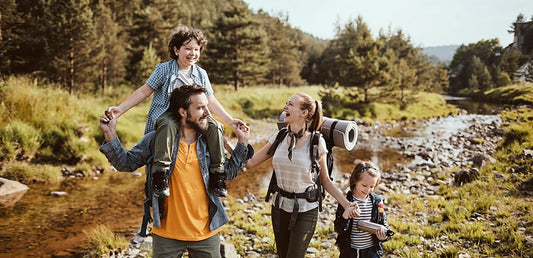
(428, 23)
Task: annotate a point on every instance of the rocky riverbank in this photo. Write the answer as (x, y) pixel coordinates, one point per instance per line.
(462, 151)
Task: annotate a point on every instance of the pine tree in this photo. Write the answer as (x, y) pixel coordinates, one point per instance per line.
(238, 52)
(362, 65)
(75, 44)
(147, 64)
(285, 63)
(111, 53)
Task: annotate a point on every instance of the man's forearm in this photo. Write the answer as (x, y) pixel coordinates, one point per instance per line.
(110, 135)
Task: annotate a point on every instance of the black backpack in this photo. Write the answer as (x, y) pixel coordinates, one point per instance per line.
(313, 153)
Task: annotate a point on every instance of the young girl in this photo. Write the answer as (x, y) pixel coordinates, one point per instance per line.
(352, 241)
(294, 218)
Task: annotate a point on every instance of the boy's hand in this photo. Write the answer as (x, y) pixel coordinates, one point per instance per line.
(113, 112)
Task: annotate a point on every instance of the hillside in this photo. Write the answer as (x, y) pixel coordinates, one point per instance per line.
(441, 53)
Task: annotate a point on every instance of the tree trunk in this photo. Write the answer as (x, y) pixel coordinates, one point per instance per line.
(0, 27)
(71, 66)
(236, 81)
(103, 76)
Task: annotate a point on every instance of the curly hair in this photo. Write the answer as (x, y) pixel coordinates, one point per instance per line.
(182, 35)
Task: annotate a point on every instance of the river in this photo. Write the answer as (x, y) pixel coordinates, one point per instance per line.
(42, 225)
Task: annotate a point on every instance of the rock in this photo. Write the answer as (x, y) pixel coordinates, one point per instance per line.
(480, 159)
(228, 250)
(528, 154)
(58, 194)
(312, 250)
(466, 176)
(11, 192)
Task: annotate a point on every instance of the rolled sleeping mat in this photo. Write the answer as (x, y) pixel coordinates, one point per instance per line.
(343, 133)
(281, 120)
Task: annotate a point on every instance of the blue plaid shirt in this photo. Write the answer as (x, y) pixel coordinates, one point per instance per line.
(164, 80)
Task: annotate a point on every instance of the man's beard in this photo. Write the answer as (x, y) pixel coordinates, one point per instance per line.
(196, 125)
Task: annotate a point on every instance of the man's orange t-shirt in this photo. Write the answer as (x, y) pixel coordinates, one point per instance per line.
(187, 216)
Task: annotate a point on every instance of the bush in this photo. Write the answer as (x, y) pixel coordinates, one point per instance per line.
(29, 173)
(61, 145)
(18, 139)
(515, 133)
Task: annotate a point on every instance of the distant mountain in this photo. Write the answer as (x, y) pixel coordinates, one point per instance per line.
(441, 54)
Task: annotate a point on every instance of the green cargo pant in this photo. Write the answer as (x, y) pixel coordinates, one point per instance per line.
(166, 132)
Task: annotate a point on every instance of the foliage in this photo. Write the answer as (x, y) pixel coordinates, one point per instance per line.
(148, 62)
(345, 104)
(103, 241)
(18, 140)
(238, 52)
(30, 173)
(475, 65)
(361, 64)
(285, 55)
(512, 94)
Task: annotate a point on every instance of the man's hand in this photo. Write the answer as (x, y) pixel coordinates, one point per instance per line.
(238, 124)
(243, 134)
(108, 126)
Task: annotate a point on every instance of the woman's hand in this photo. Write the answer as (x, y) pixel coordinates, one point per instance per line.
(351, 211)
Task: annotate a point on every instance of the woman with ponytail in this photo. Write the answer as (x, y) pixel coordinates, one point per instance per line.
(294, 211)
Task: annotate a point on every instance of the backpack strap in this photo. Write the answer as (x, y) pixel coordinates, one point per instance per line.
(273, 185)
(147, 217)
(281, 135)
(313, 152)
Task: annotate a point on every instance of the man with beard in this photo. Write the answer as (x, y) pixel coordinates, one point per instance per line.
(193, 215)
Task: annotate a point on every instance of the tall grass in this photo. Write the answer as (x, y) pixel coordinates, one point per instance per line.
(104, 242)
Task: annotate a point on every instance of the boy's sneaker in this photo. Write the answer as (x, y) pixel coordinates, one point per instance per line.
(219, 186)
(160, 183)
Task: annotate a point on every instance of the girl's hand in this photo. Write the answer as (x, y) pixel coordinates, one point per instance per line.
(382, 233)
(351, 211)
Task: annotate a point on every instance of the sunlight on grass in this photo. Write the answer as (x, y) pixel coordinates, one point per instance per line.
(103, 241)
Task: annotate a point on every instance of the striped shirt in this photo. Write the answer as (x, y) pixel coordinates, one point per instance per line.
(361, 239)
(295, 175)
(164, 79)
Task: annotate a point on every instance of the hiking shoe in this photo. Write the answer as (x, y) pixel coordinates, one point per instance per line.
(160, 183)
(219, 186)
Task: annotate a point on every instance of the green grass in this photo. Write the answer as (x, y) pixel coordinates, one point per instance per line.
(103, 241)
(31, 173)
(513, 94)
(256, 102)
